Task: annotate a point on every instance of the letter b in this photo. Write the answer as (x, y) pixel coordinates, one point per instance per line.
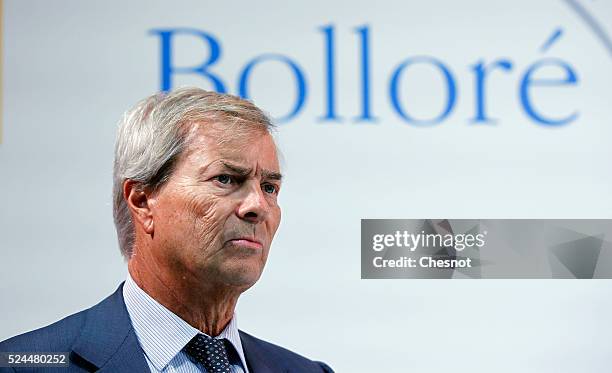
(167, 67)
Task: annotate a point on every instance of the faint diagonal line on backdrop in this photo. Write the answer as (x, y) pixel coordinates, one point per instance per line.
(592, 23)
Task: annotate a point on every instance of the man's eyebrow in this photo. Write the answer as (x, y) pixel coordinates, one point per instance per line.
(243, 171)
(271, 175)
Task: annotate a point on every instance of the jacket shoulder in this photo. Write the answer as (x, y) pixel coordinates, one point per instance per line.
(56, 337)
(281, 354)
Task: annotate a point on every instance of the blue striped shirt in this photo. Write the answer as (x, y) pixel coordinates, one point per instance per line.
(162, 334)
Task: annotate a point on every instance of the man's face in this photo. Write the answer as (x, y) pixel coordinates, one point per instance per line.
(214, 219)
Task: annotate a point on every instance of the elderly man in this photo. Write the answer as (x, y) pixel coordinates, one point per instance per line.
(196, 182)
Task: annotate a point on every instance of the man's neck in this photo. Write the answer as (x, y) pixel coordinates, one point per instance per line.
(203, 305)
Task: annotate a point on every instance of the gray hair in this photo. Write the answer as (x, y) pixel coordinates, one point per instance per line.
(154, 133)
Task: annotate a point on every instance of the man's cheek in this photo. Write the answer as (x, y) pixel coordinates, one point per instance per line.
(275, 222)
(198, 203)
(209, 225)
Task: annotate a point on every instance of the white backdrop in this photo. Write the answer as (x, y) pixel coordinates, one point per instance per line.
(72, 67)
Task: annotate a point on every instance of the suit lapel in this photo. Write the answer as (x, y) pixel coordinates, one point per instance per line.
(256, 358)
(107, 342)
(128, 358)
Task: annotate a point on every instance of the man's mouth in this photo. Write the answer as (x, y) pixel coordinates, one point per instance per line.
(249, 242)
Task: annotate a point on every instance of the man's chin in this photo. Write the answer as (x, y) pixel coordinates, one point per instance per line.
(242, 277)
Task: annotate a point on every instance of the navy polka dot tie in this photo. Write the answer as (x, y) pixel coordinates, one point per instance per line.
(210, 352)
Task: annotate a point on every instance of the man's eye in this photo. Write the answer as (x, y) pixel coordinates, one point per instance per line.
(224, 179)
(269, 188)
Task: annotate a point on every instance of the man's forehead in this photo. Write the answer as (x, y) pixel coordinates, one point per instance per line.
(240, 148)
(220, 133)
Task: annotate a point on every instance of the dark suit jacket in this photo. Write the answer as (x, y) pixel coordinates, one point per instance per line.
(101, 339)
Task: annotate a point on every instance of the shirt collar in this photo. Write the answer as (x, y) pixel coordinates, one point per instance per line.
(161, 333)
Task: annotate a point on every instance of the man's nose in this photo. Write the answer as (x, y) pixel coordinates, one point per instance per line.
(254, 207)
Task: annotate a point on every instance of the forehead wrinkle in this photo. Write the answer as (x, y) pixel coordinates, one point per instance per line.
(223, 135)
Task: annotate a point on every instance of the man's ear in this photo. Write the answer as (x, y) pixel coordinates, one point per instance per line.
(137, 200)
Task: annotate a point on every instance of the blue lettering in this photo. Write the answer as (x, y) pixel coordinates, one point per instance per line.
(330, 70)
(167, 68)
(300, 80)
(528, 81)
(480, 71)
(450, 89)
(366, 114)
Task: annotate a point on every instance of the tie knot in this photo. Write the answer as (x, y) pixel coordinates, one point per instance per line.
(210, 352)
